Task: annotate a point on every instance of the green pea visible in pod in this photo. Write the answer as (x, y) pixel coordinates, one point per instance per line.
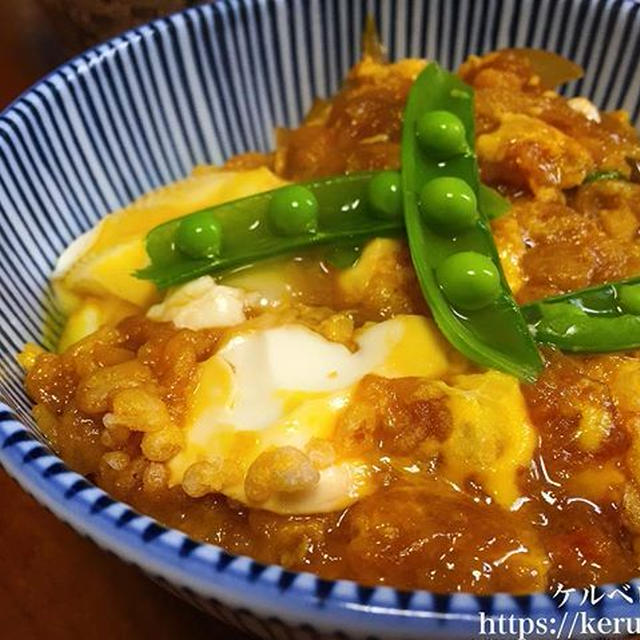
(385, 195)
(161, 246)
(199, 236)
(293, 211)
(448, 204)
(441, 134)
(629, 298)
(469, 280)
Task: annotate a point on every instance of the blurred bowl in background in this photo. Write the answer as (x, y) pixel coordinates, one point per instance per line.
(82, 23)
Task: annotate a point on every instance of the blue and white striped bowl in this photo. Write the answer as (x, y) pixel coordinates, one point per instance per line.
(142, 110)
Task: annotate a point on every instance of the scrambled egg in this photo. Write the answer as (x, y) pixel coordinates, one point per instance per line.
(286, 387)
(94, 275)
(522, 136)
(492, 437)
(283, 388)
(201, 304)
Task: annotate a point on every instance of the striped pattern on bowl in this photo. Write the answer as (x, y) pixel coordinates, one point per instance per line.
(142, 110)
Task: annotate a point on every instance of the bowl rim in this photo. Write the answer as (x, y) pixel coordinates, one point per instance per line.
(203, 569)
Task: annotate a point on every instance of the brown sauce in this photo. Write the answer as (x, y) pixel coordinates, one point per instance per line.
(579, 512)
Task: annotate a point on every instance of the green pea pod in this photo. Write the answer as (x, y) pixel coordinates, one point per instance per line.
(606, 174)
(337, 211)
(342, 257)
(491, 203)
(597, 320)
(451, 245)
(190, 246)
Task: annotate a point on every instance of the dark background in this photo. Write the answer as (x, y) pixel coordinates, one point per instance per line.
(53, 583)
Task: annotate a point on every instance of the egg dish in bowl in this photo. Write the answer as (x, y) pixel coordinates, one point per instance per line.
(400, 349)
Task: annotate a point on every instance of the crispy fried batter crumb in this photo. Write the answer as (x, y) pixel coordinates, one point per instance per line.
(137, 409)
(202, 478)
(114, 403)
(155, 477)
(117, 460)
(284, 469)
(162, 445)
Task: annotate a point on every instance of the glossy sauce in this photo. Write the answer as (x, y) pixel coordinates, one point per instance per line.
(579, 510)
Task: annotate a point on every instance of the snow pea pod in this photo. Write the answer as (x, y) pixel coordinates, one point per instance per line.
(341, 212)
(605, 174)
(337, 211)
(598, 319)
(449, 237)
(491, 203)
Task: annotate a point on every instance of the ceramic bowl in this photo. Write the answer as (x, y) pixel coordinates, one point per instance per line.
(140, 111)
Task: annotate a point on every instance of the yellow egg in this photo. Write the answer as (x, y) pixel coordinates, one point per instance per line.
(109, 272)
(492, 437)
(286, 386)
(102, 261)
(89, 316)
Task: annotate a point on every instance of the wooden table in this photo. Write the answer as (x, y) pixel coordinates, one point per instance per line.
(55, 584)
